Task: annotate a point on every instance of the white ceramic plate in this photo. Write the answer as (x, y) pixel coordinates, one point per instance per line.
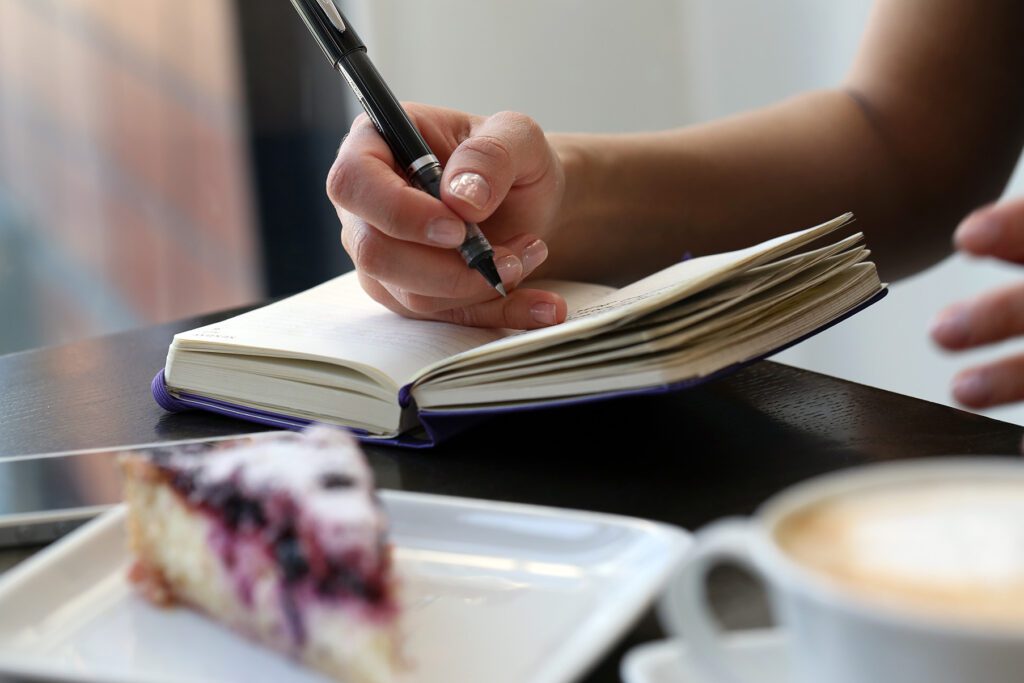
(491, 592)
(757, 656)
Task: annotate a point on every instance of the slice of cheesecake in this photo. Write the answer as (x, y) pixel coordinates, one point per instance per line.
(280, 537)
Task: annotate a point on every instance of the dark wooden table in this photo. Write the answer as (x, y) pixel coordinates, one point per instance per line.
(685, 459)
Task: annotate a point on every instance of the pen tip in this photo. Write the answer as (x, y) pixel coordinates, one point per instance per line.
(501, 289)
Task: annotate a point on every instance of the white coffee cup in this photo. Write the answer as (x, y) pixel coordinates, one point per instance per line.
(838, 632)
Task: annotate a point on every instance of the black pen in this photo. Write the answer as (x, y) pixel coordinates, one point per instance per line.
(347, 54)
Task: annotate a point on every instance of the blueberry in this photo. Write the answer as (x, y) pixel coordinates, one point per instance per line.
(235, 509)
(220, 495)
(340, 580)
(239, 511)
(336, 480)
(183, 482)
(250, 512)
(289, 556)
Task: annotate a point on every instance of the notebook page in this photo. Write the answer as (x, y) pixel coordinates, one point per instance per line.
(641, 297)
(636, 340)
(645, 372)
(337, 322)
(693, 275)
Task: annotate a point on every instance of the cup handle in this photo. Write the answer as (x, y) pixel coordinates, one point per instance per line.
(684, 609)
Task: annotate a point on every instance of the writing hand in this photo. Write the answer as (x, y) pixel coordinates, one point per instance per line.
(500, 172)
(996, 231)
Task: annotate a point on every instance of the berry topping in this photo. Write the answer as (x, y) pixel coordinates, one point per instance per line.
(289, 556)
(341, 580)
(336, 480)
(237, 510)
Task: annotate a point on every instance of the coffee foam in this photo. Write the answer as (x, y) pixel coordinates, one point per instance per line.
(952, 547)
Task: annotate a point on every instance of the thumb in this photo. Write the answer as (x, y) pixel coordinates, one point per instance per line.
(503, 151)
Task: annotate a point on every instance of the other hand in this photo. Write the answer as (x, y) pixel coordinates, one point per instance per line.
(499, 172)
(996, 231)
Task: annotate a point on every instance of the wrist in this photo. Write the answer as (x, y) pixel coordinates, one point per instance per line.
(578, 209)
(576, 155)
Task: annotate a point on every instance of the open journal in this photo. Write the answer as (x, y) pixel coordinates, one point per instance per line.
(332, 354)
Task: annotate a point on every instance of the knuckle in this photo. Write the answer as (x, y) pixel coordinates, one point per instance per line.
(521, 125)
(512, 314)
(344, 174)
(460, 316)
(361, 121)
(364, 247)
(399, 295)
(341, 179)
(381, 296)
(462, 284)
(378, 292)
(415, 109)
(388, 300)
(492, 148)
(347, 222)
(348, 231)
(418, 303)
(391, 217)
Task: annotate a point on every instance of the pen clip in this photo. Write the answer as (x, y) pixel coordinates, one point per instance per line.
(333, 15)
(328, 25)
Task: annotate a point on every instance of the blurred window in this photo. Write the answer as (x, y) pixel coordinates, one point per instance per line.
(158, 158)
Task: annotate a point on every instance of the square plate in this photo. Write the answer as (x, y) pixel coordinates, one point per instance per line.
(489, 592)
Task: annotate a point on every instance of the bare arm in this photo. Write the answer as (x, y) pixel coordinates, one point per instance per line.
(927, 126)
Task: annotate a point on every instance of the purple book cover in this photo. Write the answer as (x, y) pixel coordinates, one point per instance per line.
(438, 426)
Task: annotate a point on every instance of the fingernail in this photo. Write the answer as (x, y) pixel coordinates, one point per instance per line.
(471, 188)
(510, 269)
(972, 388)
(446, 232)
(953, 327)
(534, 254)
(543, 313)
(978, 232)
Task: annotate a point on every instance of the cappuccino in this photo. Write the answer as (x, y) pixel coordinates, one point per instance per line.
(952, 549)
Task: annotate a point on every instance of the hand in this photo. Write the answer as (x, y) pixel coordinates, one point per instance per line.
(500, 172)
(997, 231)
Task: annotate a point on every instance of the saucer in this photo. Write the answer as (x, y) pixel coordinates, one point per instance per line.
(757, 656)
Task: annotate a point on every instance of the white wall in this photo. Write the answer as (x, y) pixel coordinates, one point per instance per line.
(686, 61)
(552, 59)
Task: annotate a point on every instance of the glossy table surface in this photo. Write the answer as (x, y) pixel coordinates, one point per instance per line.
(686, 458)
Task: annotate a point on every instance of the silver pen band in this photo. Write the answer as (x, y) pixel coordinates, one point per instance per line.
(425, 160)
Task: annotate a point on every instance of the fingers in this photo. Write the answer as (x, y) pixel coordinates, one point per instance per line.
(992, 384)
(363, 181)
(996, 230)
(511, 268)
(523, 309)
(401, 239)
(422, 272)
(992, 317)
(504, 150)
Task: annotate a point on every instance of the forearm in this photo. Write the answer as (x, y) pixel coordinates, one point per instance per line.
(637, 203)
(919, 135)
